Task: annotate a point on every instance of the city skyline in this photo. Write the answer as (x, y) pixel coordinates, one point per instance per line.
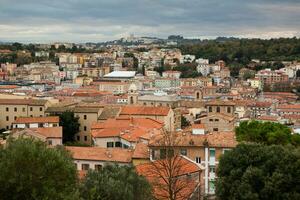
(94, 21)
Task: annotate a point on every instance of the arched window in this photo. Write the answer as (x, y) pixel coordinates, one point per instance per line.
(131, 100)
(218, 109)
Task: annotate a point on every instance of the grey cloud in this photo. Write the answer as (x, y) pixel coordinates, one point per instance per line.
(99, 20)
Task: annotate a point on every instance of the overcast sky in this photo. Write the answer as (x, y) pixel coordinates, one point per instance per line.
(102, 20)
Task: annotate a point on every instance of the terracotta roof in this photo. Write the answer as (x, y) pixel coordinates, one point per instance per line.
(291, 116)
(101, 154)
(261, 104)
(127, 122)
(109, 112)
(141, 151)
(32, 102)
(268, 118)
(6, 87)
(198, 126)
(28, 120)
(220, 103)
(49, 132)
(289, 106)
(187, 139)
(145, 110)
(159, 181)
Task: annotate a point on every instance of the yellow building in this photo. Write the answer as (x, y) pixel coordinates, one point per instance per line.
(11, 109)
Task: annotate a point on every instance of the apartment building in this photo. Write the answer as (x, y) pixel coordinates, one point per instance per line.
(124, 132)
(268, 77)
(95, 158)
(220, 116)
(52, 136)
(163, 114)
(36, 122)
(115, 87)
(204, 149)
(11, 109)
(87, 113)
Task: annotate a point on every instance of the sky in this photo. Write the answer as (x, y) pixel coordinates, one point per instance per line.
(44, 21)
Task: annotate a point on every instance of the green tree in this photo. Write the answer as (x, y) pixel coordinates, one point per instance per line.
(32, 171)
(258, 172)
(114, 182)
(184, 122)
(70, 125)
(265, 133)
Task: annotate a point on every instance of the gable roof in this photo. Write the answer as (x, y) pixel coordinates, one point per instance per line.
(145, 110)
(27, 120)
(101, 154)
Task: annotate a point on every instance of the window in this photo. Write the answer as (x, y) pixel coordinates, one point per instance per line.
(7, 118)
(109, 144)
(215, 129)
(78, 138)
(85, 167)
(225, 150)
(85, 138)
(49, 142)
(216, 120)
(7, 109)
(212, 170)
(31, 109)
(23, 109)
(209, 109)
(15, 109)
(118, 144)
(198, 159)
(15, 118)
(84, 128)
(41, 125)
(41, 108)
(183, 152)
(7, 127)
(84, 117)
(228, 109)
(211, 186)
(218, 109)
(212, 154)
(98, 167)
(211, 120)
(163, 153)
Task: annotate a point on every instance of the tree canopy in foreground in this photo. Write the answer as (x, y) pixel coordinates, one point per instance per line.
(266, 133)
(32, 171)
(259, 172)
(114, 182)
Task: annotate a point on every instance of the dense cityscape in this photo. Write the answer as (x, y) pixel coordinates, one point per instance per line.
(148, 116)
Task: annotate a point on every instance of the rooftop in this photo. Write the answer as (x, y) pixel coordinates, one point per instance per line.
(101, 154)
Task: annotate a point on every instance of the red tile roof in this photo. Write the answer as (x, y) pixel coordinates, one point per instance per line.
(187, 139)
(28, 120)
(145, 110)
(49, 132)
(158, 174)
(101, 154)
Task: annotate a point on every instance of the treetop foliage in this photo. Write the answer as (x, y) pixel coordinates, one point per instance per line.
(31, 170)
(267, 133)
(259, 172)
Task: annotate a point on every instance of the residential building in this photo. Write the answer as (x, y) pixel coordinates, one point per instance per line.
(52, 136)
(94, 158)
(11, 109)
(204, 149)
(36, 122)
(163, 114)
